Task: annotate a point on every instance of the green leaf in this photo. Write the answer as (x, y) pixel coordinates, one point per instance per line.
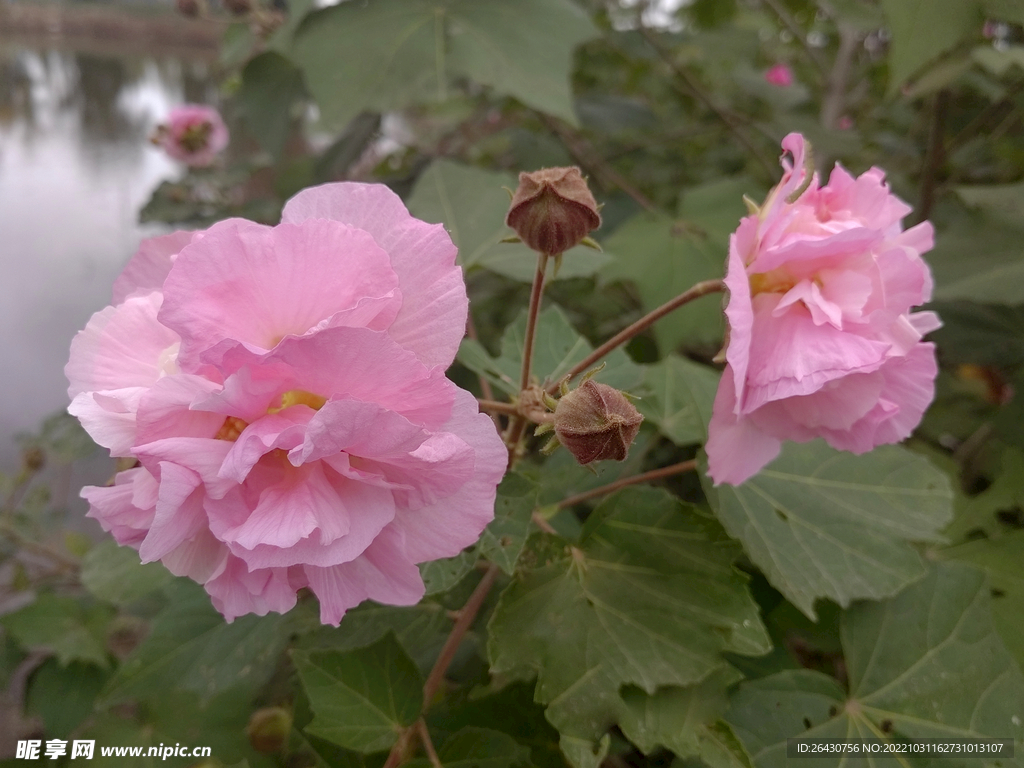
(270, 86)
(1007, 10)
(479, 748)
(926, 663)
(978, 256)
(472, 204)
(1001, 559)
(977, 514)
(822, 523)
(441, 575)
(362, 699)
(557, 348)
(664, 257)
(922, 30)
(678, 398)
(999, 60)
(686, 721)
(421, 629)
(649, 599)
(61, 625)
(191, 647)
(410, 50)
(114, 574)
(63, 696)
(504, 537)
(983, 334)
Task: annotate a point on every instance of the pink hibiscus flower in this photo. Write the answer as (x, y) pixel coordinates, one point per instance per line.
(822, 341)
(194, 134)
(283, 391)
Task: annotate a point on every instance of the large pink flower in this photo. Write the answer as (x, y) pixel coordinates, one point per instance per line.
(194, 134)
(283, 391)
(822, 341)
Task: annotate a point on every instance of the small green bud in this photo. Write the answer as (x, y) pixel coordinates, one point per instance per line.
(268, 729)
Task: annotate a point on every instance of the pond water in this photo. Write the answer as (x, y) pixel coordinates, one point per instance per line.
(75, 168)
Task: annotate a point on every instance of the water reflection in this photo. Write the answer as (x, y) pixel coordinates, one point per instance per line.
(75, 167)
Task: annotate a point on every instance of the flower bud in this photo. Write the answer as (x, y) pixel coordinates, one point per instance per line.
(268, 729)
(552, 210)
(189, 8)
(237, 7)
(33, 458)
(596, 422)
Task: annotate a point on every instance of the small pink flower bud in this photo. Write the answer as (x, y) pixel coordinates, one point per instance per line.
(779, 74)
(596, 422)
(553, 209)
(268, 729)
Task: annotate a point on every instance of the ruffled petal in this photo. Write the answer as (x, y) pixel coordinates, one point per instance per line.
(148, 268)
(737, 450)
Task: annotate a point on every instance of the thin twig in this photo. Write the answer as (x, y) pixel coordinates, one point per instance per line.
(790, 23)
(428, 745)
(934, 159)
(694, 89)
(543, 524)
(466, 618)
(591, 161)
(835, 89)
(641, 325)
(62, 561)
(531, 319)
(654, 474)
(497, 406)
(433, 684)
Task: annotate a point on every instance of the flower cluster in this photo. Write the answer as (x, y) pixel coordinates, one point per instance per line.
(822, 342)
(283, 392)
(194, 134)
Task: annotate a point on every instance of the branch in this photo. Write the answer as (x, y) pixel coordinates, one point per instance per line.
(641, 325)
(790, 23)
(835, 89)
(694, 89)
(654, 474)
(934, 159)
(497, 406)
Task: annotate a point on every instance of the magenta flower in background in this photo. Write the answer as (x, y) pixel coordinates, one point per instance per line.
(779, 74)
(283, 391)
(194, 134)
(822, 340)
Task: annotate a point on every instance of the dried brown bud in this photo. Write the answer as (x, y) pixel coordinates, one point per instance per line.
(190, 8)
(33, 458)
(268, 729)
(596, 422)
(237, 7)
(553, 209)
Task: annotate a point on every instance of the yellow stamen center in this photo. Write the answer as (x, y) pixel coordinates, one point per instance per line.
(231, 429)
(298, 397)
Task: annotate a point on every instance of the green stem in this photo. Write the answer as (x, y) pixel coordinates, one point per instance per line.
(641, 325)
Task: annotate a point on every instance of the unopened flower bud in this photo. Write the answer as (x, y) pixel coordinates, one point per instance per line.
(268, 729)
(552, 210)
(34, 458)
(188, 8)
(596, 422)
(237, 7)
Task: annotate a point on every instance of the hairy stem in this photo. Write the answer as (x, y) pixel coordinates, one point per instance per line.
(531, 319)
(497, 406)
(641, 325)
(654, 474)
(433, 684)
(428, 745)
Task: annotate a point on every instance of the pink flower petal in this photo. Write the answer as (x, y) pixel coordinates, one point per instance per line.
(255, 285)
(737, 450)
(432, 319)
(148, 268)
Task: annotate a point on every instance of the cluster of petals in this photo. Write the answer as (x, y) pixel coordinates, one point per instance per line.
(823, 342)
(194, 134)
(283, 392)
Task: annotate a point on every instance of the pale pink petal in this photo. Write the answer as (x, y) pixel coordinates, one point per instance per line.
(276, 431)
(114, 508)
(166, 409)
(179, 512)
(121, 347)
(804, 255)
(200, 558)
(429, 466)
(446, 527)
(382, 573)
(251, 284)
(910, 385)
(737, 450)
(237, 591)
(432, 319)
(148, 268)
(109, 417)
(204, 456)
(739, 311)
(790, 355)
(837, 405)
(925, 322)
(809, 294)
